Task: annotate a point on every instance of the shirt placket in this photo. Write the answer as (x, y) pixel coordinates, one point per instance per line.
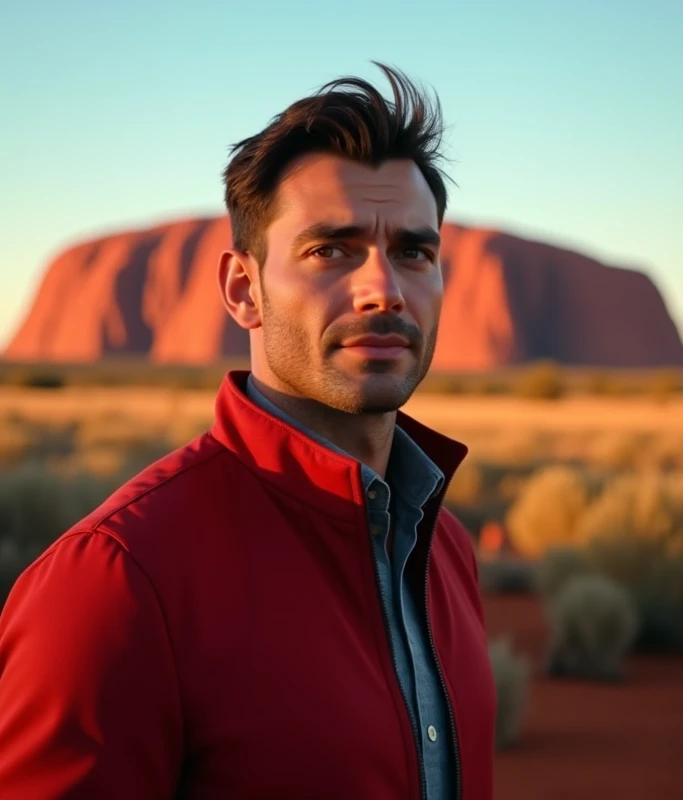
(378, 500)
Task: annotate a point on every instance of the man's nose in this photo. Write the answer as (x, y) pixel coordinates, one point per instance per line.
(375, 286)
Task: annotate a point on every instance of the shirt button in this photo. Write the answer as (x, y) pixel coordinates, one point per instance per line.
(431, 732)
(372, 494)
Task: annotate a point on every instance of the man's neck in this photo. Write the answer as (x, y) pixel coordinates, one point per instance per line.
(365, 437)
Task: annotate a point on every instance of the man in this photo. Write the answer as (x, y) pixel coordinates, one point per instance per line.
(282, 608)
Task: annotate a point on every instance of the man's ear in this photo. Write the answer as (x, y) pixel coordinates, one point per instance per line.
(238, 279)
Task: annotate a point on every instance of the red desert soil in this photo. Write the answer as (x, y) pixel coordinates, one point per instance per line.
(586, 740)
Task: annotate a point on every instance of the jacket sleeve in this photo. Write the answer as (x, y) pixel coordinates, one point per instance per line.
(89, 698)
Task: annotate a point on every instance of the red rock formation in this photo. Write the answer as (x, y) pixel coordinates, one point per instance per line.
(153, 292)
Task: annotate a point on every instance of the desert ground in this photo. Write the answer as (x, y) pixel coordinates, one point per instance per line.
(441, 411)
(588, 741)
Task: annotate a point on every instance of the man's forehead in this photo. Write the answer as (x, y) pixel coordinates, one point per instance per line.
(343, 192)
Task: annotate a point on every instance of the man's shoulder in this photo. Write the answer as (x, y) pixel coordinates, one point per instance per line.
(162, 524)
(172, 495)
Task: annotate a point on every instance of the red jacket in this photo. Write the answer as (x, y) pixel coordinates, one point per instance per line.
(214, 630)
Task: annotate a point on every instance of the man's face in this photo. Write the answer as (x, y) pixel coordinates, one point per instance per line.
(351, 288)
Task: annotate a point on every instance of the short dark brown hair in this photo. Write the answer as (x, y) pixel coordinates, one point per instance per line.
(347, 117)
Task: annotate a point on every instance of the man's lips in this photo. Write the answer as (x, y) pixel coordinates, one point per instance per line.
(376, 340)
(376, 346)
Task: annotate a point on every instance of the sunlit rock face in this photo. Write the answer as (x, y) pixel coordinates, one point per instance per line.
(153, 292)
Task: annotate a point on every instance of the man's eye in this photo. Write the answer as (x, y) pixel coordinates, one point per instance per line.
(414, 254)
(328, 251)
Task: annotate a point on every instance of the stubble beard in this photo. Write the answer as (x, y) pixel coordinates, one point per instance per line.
(312, 374)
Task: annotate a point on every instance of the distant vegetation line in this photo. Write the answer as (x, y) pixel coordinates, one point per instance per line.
(542, 380)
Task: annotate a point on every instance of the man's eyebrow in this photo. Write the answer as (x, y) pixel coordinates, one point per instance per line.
(322, 231)
(424, 235)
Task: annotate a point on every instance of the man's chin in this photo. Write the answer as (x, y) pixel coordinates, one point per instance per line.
(379, 393)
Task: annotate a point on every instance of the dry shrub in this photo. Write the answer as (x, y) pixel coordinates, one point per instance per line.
(52, 440)
(665, 384)
(15, 440)
(101, 462)
(11, 565)
(645, 506)
(117, 444)
(467, 487)
(34, 377)
(437, 382)
(542, 381)
(548, 510)
(473, 495)
(115, 431)
(570, 445)
(483, 384)
(618, 449)
(593, 623)
(660, 604)
(511, 675)
(505, 575)
(516, 448)
(511, 486)
(634, 534)
(665, 452)
(474, 518)
(85, 492)
(36, 507)
(508, 447)
(33, 512)
(135, 462)
(558, 566)
(112, 465)
(655, 582)
(602, 383)
(183, 430)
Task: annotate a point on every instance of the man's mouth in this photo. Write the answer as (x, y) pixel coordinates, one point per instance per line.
(373, 345)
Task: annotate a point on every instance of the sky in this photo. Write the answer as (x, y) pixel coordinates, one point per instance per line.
(565, 119)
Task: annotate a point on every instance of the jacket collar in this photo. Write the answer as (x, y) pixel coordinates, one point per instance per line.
(299, 466)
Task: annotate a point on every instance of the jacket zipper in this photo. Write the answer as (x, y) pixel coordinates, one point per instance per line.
(413, 721)
(456, 747)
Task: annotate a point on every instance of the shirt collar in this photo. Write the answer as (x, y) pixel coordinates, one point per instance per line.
(295, 464)
(412, 472)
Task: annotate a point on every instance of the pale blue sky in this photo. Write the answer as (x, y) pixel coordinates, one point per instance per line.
(566, 118)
